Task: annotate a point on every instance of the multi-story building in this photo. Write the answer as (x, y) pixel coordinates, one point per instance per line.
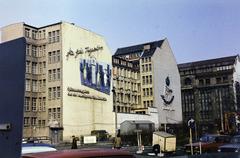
(210, 91)
(146, 75)
(68, 80)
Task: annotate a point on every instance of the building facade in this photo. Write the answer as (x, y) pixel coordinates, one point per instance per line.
(146, 76)
(210, 91)
(67, 80)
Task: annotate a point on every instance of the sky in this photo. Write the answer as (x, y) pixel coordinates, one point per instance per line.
(195, 29)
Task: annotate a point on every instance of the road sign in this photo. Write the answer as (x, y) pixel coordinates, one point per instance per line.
(191, 123)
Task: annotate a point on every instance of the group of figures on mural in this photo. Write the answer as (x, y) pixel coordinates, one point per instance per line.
(95, 75)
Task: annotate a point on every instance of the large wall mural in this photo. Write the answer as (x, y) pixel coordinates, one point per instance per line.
(96, 75)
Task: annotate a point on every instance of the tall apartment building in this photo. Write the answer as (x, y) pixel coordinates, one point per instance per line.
(146, 75)
(68, 80)
(210, 91)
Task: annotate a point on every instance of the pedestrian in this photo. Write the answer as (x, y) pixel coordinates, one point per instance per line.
(74, 142)
(117, 142)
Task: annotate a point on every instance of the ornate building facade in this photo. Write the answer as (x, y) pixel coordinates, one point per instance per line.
(210, 91)
(67, 80)
(146, 76)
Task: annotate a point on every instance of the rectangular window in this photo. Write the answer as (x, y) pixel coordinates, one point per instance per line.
(27, 32)
(53, 56)
(34, 104)
(53, 37)
(49, 37)
(27, 85)
(49, 93)
(144, 92)
(34, 51)
(58, 74)
(58, 56)
(207, 81)
(57, 35)
(150, 67)
(49, 75)
(34, 68)
(27, 104)
(54, 92)
(28, 67)
(143, 80)
(44, 104)
(151, 92)
(26, 121)
(49, 57)
(58, 113)
(28, 50)
(58, 92)
(146, 79)
(54, 74)
(34, 86)
(49, 113)
(40, 104)
(33, 121)
(150, 79)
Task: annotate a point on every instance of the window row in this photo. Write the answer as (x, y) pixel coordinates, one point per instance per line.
(54, 56)
(33, 121)
(54, 93)
(35, 34)
(34, 104)
(147, 59)
(147, 92)
(147, 80)
(54, 75)
(35, 85)
(35, 67)
(125, 73)
(146, 67)
(148, 103)
(54, 36)
(209, 81)
(54, 113)
(35, 51)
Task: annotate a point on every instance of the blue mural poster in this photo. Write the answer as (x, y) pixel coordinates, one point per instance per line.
(96, 75)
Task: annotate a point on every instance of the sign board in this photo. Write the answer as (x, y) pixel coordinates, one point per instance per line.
(89, 139)
(12, 83)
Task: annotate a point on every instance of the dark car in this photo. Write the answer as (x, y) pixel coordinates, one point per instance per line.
(101, 135)
(87, 153)
(209, 143)
(234, 145)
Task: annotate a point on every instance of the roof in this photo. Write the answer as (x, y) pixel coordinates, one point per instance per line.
(164, 134)
(77, 153)
(223, 61)
(139, 121)
(139, 48)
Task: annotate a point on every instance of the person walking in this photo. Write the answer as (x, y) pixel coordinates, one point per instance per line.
(118, 142)
(74, 142)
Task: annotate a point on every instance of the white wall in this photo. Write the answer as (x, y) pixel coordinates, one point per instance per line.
(151, 116)
(81, 115)
(164, 65)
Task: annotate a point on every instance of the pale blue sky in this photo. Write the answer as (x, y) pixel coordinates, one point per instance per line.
(196, 29)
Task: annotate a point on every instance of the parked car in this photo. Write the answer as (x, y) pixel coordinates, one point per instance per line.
(80, 153)
(209, 143)
(234, 145)
(102, 135)
(36, 148)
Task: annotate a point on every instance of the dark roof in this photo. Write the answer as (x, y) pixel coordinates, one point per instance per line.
(138, 48)
(223, 61)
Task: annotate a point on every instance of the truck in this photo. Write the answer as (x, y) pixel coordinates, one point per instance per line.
(166, 141)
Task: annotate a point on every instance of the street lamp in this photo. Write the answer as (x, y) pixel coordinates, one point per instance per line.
(115, 109)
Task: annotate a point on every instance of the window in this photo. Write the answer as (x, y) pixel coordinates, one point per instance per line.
(40, 68)
(34, 34)
(201, 82)
(57, 35)
(151, 92)
(49, 75)
(58, 92)
(53, 36)
(58, 113)
(225, 79)
(150, 67)
(40, 104)
(33, 121)
(27, 85)
(58, 56)
(54, 92)
(54, 74)
(49, 37)
(34, 104)
(143, 80)
(146, 79)
(28, 67)
(44, 104)
(28, 50)
(49, 113)
(53, 56)
(34, 86)
(27, 32)
(49, 57)
(150, 79)
(147, 92)
(218, 80)
(34, 51)
(26, 121)
(187, 81)
(49, 93)
(207, 81)
(144, 103)
(58, 74)
(27, 104)
(34, 68)
(144, 92)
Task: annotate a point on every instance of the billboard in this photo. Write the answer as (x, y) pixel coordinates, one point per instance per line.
(12, 80)
(96, 75)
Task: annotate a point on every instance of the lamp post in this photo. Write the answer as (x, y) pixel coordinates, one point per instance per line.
(115, 109)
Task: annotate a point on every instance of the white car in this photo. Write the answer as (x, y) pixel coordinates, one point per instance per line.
(36, 148)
